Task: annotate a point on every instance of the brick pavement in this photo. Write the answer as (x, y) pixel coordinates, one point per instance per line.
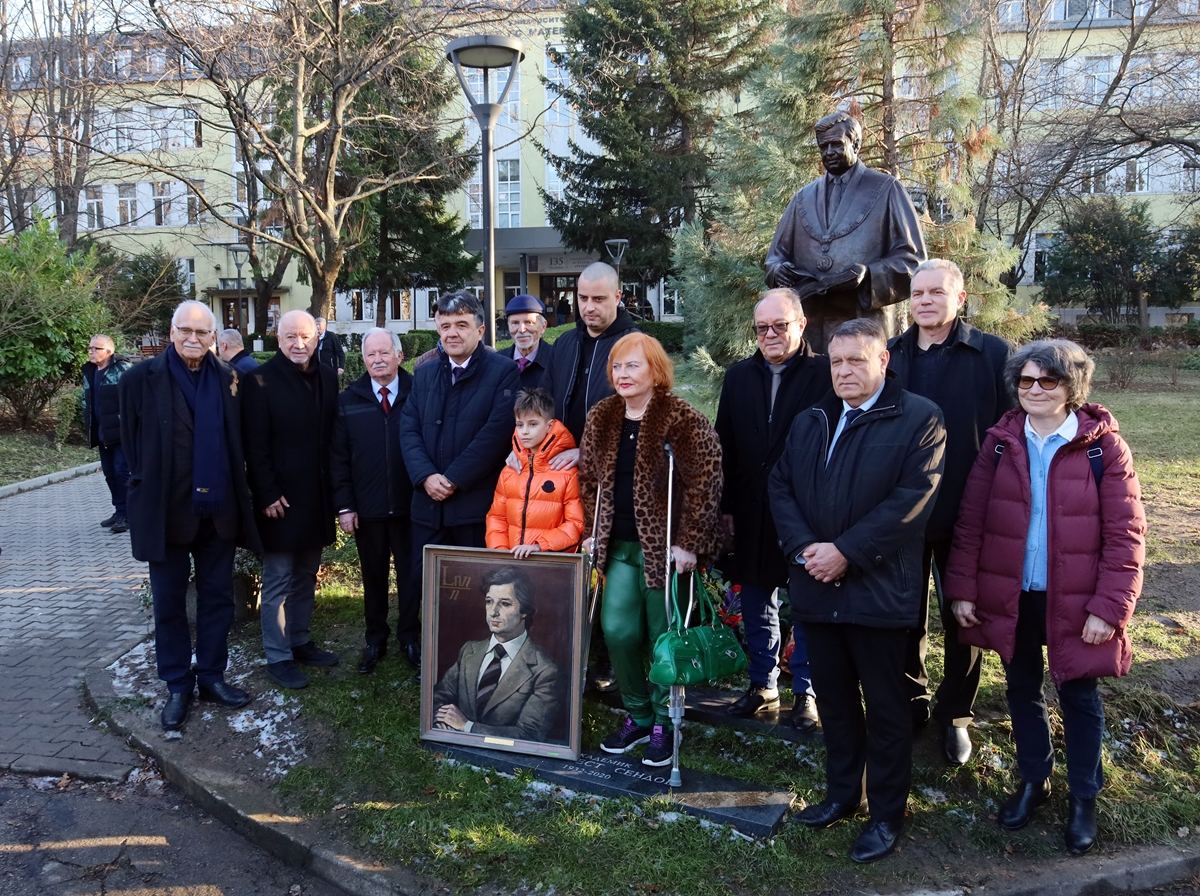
(68, 601)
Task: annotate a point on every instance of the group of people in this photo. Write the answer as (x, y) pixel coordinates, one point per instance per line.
(846, 473)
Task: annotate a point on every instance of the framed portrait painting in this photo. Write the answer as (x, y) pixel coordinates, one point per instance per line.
(503, 652)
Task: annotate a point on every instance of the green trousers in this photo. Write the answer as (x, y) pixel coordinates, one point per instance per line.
(633, 616)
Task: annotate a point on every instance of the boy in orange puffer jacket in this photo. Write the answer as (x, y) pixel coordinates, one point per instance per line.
(537, 509)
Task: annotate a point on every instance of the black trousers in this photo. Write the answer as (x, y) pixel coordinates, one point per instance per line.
(213, 558)
(468, 535)
(853, 664)
(962, 664)
(382, 544)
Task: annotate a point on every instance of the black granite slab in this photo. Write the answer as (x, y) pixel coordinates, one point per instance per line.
(751, 809)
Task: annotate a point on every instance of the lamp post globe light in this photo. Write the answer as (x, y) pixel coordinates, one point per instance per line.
(486, 52)
(616, 251)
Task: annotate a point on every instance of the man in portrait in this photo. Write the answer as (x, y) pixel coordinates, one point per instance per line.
(505, 685)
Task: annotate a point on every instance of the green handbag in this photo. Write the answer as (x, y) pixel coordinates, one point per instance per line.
(688, 656)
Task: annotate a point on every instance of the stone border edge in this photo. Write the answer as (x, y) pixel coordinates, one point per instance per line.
(1138, 869)
(28, 485)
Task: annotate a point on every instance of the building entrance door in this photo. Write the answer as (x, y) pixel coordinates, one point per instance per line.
(558, 294)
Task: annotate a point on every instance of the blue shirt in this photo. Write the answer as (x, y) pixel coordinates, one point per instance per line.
(1041, 453)
(865, 406)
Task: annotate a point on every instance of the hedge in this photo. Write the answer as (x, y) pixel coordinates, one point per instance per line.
(668, 332)
(417, 342)
(68, 425)
(1101, 334)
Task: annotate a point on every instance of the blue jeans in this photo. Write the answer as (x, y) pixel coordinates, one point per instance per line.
(116, 474)
(1078, 700)
(760, 616)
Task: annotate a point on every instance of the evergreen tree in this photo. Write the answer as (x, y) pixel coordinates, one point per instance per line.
(648, 78)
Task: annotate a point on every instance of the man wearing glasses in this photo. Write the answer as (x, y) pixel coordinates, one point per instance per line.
(760, 398)
(526, 324)
(961, 370)
(102, 418)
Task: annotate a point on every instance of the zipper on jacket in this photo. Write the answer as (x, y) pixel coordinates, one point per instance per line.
(587, 386)
(525, 509)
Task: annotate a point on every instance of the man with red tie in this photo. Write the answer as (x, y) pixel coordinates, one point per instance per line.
(373, 493)
(526, 324)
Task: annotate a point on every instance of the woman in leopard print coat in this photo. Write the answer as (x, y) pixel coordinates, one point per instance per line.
(622, 455)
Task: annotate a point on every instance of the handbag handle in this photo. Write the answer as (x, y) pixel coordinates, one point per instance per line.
(680, 621)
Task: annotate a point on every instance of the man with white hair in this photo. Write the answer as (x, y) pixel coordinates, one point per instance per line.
(188, 503)
(288, 422)
(102, 419)
(233, 351)
(961, 370)
(329, 348)
(373, 493)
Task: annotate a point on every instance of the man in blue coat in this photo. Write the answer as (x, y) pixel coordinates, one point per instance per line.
(456, 431)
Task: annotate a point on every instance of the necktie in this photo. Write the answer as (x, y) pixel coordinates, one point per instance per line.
(852, 415)
(383, 401)
(522, 363)
(454, 372)
(487, 683)
(776, 378)
(833, 198)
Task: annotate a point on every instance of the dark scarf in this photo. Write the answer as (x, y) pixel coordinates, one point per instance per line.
(210, 465)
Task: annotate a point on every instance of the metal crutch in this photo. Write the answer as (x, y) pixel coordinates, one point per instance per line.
(675, 705)
(594, 596)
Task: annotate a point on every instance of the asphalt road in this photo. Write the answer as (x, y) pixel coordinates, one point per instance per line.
(141, 839)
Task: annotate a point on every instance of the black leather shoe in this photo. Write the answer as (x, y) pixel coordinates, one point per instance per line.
(956, 745)
(225, 694)
(877, 840)
(108, 522)
(174, 714)
(286, 674)
(120, 524)
(803, 716)
(827, 813)
(412, 654)
(309, 654)
(1018, 808)
(755, 700)
(371, 655)
(1081, 829)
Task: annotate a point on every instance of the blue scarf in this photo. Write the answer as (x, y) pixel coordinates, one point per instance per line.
(210, 461)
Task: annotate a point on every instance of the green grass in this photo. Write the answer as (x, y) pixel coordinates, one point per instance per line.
(29, 455)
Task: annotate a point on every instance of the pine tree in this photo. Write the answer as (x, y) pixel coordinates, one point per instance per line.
(648, 78)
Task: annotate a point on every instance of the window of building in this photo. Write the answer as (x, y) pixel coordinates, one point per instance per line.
(195, 208)
(432, 296)
(1011, 12)
(124, 131)
(1097, 75)
(156, 60)
(1069, 10)
(93, 207)
(475, 199)
(23, 69)
(512, 285)
(193, 128)
(1042, 243)
(161, 191)
(356, 305)
(1137, 176)
(1114, 9)
(559, 111)
(671, 302)
(1048, 84)
(188, 267)
(508, 193)
(122, 62)
(497, 78)
(1094, 179)
(401, 304)
(127, 204)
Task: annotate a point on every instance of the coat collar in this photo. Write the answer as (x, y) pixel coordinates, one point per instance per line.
(961, 334)
(558, 440)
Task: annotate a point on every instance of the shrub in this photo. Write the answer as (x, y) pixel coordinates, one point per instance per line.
(354, 368)
(262, 357)
(68, 424)
(668, 332)
(1094, 334)
(1123, 367)
(417, 342)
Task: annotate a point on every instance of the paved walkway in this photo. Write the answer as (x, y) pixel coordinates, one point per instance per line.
(68, 601)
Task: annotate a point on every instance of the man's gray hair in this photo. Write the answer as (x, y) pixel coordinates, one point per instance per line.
(371, 332)
(861, 328)
(599, 272)
(957, 282)
(1060, 358)
(105, 341)
(842, 120)
(320, 320)
(461, 302)
(789, 295)
(192, 303)
(231, 337)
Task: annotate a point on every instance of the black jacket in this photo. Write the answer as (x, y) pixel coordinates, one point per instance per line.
(288, 433)
(106, 403)
(147, 420)
(533, 374)
(463, 431)
(752, 439)
(872, 501)
(330, 351)
(559, 378)
(368, 469)
(971, 392)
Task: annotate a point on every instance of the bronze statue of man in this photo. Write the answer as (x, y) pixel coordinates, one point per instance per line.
(849, 241)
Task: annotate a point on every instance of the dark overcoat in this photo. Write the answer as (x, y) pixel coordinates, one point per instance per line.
(752, 438)
(102, 411)
(461, 430)
(531, 376)
(559, 378)
(288, 434)
(147, 421)
(871, 500)
(369, 477)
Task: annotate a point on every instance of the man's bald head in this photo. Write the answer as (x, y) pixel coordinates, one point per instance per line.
(598, 297)
(298, 337)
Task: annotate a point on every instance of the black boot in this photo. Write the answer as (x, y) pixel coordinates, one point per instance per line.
(1081, 824)
(1018, 808)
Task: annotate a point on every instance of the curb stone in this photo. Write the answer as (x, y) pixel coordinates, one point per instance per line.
(16, 488)
(261, 819)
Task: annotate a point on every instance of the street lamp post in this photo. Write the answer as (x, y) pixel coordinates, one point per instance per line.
(240, 254)
(486, 52)
(616, 251)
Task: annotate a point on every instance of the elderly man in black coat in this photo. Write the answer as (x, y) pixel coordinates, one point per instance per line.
(961, 370)
(329, 348)
(188, 503)
(526, 323)
(759, 399)
(456, 430)
(851, 494)
(373, 493)
(288, 425)
(102, 419)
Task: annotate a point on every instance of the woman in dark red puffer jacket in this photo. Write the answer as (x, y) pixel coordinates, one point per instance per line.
(1049, 549)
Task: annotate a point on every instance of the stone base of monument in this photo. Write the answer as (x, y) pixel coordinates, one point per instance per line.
(751, 809)
(706, 706)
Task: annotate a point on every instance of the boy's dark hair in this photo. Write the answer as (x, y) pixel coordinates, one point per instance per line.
(534, 401)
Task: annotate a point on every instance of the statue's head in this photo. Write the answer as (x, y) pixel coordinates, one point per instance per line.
(839, 137)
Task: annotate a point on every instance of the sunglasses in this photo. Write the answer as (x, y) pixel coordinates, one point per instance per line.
(1048, 383)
